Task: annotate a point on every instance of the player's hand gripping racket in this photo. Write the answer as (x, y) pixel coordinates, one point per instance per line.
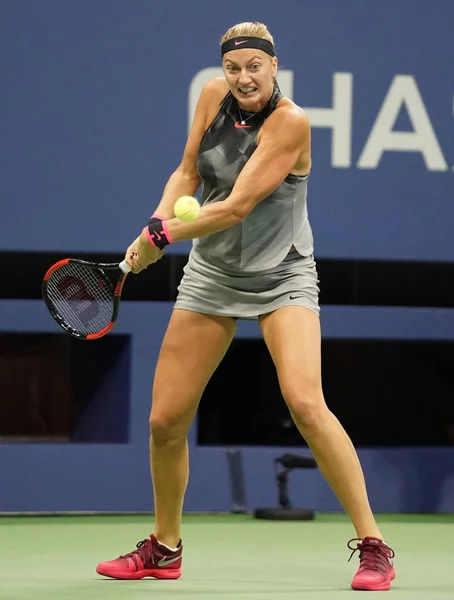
(82, 298)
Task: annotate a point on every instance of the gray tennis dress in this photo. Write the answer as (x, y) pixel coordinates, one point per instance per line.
(249, 269)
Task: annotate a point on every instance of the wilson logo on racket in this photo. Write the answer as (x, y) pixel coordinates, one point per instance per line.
(81, 298)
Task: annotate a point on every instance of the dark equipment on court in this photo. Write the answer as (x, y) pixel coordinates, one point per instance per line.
(284, 464)
(237, 484)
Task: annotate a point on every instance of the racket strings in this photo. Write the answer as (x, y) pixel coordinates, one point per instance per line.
(82, 297)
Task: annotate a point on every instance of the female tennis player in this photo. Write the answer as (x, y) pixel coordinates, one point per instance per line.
(252, 257)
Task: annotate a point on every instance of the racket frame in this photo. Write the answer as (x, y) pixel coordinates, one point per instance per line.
(115, 290)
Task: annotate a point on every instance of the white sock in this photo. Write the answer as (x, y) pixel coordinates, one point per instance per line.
(168, 547)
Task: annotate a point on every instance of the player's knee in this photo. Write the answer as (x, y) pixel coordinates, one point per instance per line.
(306, 403)
(165, 430)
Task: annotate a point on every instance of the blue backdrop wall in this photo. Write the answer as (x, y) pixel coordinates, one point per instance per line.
(96, 100)
(96, 95)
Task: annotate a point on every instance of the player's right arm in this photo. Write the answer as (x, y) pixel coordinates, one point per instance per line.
(185, 180)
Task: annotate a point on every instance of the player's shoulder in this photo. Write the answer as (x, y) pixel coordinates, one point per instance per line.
(289, 114)
(214, 89)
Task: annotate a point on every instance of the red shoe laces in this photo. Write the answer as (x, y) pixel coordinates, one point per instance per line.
(144, 551)
(372, 556)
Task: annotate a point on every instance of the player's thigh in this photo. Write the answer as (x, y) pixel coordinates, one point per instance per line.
(192, 348)
(292, 335)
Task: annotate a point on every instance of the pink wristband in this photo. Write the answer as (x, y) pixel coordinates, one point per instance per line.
(157, 232)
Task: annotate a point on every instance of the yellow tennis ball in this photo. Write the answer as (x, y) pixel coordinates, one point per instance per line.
(186, 208)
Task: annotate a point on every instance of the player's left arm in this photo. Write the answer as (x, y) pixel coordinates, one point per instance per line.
(285, 137)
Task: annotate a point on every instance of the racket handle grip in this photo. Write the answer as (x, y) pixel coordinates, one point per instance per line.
(125, 267)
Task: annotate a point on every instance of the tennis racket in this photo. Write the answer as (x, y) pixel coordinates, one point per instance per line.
(82, 298)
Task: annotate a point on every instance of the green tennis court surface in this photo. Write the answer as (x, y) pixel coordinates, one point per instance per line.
(226, 557)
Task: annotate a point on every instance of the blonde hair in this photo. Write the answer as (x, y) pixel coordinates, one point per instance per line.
(248, 28)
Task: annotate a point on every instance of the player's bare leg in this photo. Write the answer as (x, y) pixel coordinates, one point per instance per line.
(292, 335)
(193, 347)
